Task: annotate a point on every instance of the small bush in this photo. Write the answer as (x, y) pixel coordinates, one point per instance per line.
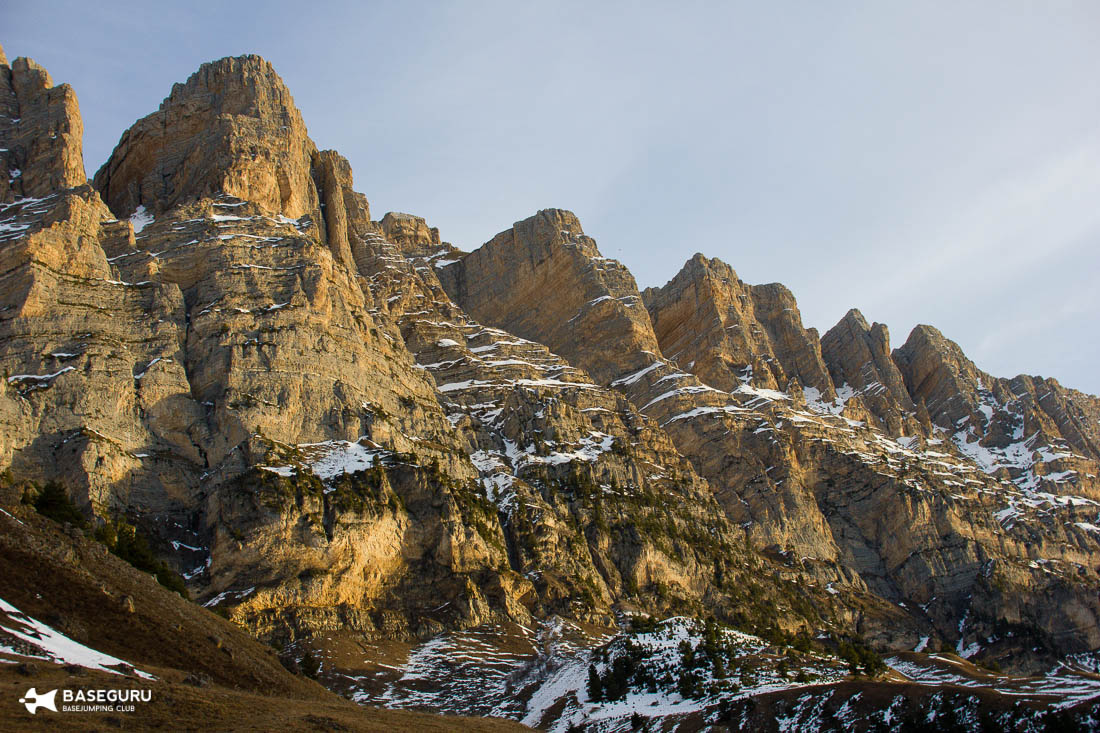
(124, 541)
(310, 665)
(54, 502)
(861, 658)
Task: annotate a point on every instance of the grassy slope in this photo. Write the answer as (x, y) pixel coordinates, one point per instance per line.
(77, 587)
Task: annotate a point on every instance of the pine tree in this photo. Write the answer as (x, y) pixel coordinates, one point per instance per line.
(310, 664)
(595, 686)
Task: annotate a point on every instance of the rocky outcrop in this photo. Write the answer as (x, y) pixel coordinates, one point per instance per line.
(232, 128)
(729, 333)
(559, 290)
(1030, 430)
(938, 374)
(886, 522)
(859, 360)
(1075, 414)
(41, 131)
(347, 212)
(543, 279)
(408, 232)
(339, 423)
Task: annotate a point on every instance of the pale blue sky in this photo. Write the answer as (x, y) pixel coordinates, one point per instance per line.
(927, 162)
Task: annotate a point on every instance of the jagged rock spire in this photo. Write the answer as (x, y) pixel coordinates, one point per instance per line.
(730, 332)
(41, 132)
(858, 355)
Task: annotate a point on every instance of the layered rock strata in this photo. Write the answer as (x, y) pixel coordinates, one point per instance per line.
(913, 521)
(729, 333)
(332, 422)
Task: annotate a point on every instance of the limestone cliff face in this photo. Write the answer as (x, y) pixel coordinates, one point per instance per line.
(346, 211)
(247, 384)
(914, 521)
(937, 373)
(729, 333)
(154, 372)
(409, 232)
(42, 131)
(588, 308)
(232, 128)
(342, 423)
(859, 360)
(597, 507)
(67, 324)
(543, 279)
(1027, 429)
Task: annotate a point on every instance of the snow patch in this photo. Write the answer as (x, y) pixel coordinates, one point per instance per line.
(140, 218)
(59, 648)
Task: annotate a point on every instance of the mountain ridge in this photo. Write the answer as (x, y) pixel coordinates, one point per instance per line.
(340, 424)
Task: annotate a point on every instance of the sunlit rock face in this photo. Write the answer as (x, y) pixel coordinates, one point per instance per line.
(330, 422)
(826, 449)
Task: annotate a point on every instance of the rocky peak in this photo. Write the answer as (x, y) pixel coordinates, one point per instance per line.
(854, 320)
(231, 128)
(858, 357)
(545, 280)
(408, 231)
(545, 231)
(1015, 417)
(875, 338)
(728, 332)
(796, 348)
(243, 85)
(937, 372)
(41, 132)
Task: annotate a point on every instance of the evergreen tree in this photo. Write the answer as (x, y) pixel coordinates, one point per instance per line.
(310, 664)
(595, 686)
(54, 502)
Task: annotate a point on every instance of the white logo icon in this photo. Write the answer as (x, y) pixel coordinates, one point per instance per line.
(33, 701)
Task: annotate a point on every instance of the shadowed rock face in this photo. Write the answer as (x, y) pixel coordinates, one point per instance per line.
(346, 423)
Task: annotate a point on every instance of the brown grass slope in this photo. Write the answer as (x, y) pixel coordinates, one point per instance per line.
(73, 584)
